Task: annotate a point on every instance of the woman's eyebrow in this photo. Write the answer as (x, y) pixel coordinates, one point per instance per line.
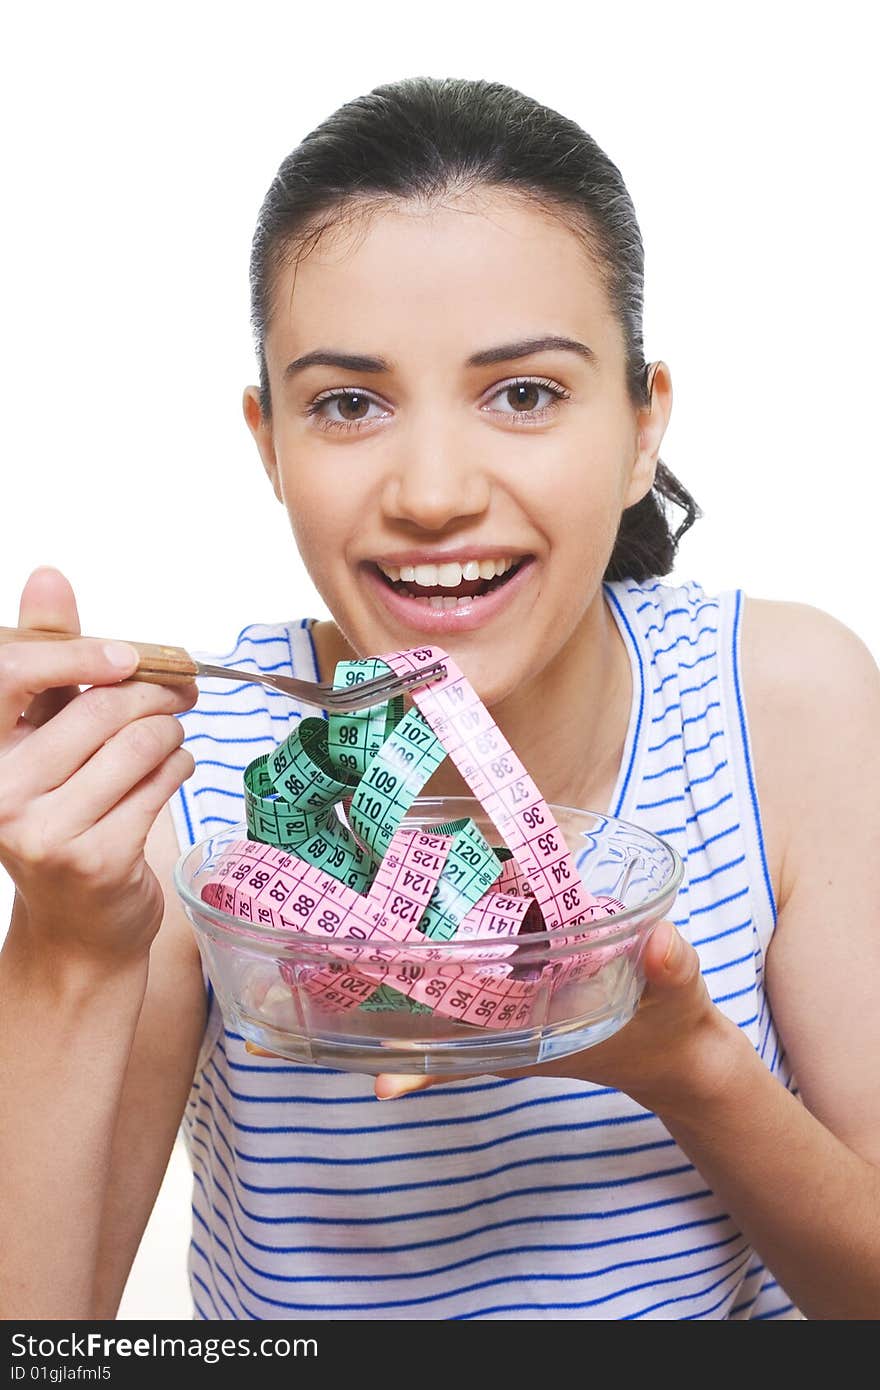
(509, 352)
(327, 357)
(487, 357)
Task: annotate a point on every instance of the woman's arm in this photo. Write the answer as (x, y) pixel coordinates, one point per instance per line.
(802, 1181)
(156, 1085)
(65, 1036)
(94, 1075)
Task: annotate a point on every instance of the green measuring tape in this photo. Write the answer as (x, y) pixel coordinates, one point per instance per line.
(375, 762)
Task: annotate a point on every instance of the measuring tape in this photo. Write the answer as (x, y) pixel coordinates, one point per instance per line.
(378, 882)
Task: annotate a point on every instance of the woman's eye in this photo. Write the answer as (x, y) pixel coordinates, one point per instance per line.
(346, 408)
(526, 398)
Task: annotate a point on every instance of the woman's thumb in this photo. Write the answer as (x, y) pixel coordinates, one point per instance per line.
(48, 601)
(669, 961)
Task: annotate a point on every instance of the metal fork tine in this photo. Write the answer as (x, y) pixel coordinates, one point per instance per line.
(347, 699)
(382, 687)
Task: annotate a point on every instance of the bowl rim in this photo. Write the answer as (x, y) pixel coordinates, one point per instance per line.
(628, 920)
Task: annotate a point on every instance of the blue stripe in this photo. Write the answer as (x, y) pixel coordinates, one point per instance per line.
(695, 689)
(456, 1292)
(181, 794)
(698, 781)
(656, 747)
(649, 805)
(721, 869)
(491, 1228)
(722, 902)
(747, 756)
(706, 810)
(670, 709)
(466, 1289)
(728, 964)
(203, 1285)
(664, 772)
(387, 1218)
(307, 627)
(489, 1254)
(691, 665)
(697, 718)
(455, 1265)
(606, 1298)
(414, 1155)
(673, 675)
(242, 637)
(691, 641)
(735, 994)
(697, 849)
(370, 1099)
(373, 1190)
(238, 713)
(774, 1313)
(613, 599)
(227, 1305)
(212, 738)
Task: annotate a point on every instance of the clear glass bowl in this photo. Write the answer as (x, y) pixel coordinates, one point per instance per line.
(581, 983)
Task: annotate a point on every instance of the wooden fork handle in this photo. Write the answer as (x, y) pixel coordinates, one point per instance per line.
(157, 665)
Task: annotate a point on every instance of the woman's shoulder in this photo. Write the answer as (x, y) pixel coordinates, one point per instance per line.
(812, 692)
(801, 662)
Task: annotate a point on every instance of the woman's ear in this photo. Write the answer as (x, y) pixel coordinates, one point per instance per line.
(652, 421)
(261, 429)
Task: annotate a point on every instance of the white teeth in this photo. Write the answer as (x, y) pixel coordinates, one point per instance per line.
(442, 602)
(448, 575)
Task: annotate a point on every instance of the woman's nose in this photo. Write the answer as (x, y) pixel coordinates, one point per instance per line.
(433, 480)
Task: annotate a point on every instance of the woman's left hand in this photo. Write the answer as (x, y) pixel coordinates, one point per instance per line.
(676, 1043)
(668, 1047)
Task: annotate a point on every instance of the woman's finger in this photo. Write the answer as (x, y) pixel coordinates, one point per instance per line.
(83, 800)
(31, 669)
(48, 601)
(129, 821)
(49, 757)
(261, 1051)
(389, 1085)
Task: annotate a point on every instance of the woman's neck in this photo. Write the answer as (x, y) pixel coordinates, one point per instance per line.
(568, 726)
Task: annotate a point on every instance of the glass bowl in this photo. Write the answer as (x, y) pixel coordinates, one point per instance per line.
(560, 990)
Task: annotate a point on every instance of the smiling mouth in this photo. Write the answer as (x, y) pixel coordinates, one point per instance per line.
(435, 594)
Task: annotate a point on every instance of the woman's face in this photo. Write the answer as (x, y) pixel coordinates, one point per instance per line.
(447, 391)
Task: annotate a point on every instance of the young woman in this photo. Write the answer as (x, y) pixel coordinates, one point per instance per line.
(455, 411)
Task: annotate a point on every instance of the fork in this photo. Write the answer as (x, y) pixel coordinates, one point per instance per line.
(175, 666)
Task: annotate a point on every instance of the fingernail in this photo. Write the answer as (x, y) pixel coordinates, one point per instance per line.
(671, 949)
(394, 1086)
(121, 655)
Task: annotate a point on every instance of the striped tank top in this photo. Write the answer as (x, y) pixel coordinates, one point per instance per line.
(492, 1197)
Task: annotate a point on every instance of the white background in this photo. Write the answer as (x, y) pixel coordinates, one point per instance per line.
(137, 146)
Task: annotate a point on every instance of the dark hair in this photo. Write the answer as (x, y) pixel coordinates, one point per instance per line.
(424, 137)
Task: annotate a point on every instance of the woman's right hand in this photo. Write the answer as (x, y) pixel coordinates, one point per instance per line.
(83, 776)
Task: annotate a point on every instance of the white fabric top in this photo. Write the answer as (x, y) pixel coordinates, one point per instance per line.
(492, 1197)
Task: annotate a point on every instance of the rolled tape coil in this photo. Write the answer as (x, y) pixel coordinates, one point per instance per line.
(376, 881)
